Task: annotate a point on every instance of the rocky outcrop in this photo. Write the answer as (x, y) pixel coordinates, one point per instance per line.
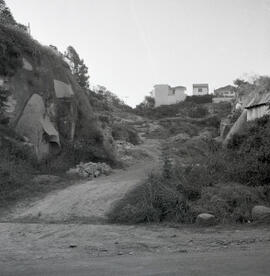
(261, 213)
(237, 128)
(46, 104)
(206, 219)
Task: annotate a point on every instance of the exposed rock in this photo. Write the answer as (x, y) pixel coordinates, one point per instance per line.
(27, 65)
(37, 128)
(206, 219)
(39, 79)
(90, 170)
(260, 213)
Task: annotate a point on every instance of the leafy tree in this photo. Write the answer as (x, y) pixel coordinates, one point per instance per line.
(78, 67)
(5, 15)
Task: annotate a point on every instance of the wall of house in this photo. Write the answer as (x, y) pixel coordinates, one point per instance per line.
(222, 99)
(165, 95)
(196, 91)
(225, 93)
(257, 112)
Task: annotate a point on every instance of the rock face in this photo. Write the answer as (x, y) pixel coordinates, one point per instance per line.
(46, 103)
(206, 219)
(260, 213)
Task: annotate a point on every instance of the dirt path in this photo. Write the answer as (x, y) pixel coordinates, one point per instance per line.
(70, 236)
(89, 201)
(68, 249)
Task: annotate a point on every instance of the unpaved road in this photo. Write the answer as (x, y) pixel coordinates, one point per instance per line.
(91, 200)
(74, 249)
(55, 246)
(233, 264)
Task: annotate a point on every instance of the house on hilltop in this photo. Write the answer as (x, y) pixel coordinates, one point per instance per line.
(200, 89)
(224, 94)
(226, 91)
(166, 95)
(259, 106)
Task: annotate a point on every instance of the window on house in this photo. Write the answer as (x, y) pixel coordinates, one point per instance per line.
(200, 90)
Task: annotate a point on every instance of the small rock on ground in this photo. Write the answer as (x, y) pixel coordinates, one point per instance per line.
(206, 219)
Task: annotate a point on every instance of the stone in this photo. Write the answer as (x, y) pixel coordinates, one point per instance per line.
(90, 170)
(206, 219)
(260, 213)
(27, 65)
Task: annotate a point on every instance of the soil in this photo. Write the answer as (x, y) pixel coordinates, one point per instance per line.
(69, 227)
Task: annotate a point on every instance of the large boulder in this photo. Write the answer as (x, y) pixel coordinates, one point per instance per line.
(260, 213)
(46, 104)
(206, 219)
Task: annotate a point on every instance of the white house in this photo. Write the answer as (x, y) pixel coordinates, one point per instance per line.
(259, 106)
(200, 89)
(166, 95)
(224, 94)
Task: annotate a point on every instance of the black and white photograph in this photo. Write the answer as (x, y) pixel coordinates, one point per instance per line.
(135, 137)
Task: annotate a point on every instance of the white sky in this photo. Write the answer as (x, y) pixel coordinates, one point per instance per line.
(130, 45)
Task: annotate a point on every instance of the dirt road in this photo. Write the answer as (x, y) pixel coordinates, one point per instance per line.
(70, 237)
(77, 249)
(88, 201)
(210, 264)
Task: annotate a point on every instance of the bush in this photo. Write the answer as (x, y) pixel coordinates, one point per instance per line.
(17, 166)
(251, 153)
(200, 99)
(198, 112)
(228, 202)
(155, 200)
(126, 133)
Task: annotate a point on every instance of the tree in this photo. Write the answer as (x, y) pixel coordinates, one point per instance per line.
(6, 16)
(78, 67)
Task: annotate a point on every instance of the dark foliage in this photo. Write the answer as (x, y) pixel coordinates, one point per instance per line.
(200, 99)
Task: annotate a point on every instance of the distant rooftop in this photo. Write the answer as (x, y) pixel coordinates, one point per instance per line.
(200, 85)
(259, 99)
(179, 86)
(231, 87)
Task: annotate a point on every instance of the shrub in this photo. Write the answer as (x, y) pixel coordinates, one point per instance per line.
(126, 133)
(200, 99)
(228, 202)
(198, 112)
(17, 165)
(154, 200)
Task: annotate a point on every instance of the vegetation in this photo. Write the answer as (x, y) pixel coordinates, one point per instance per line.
(200, 99)
(224, 182)
(6, 16)
(125, 132)
(78, 67)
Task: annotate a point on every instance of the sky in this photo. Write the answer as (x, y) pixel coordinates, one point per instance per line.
(131, 45)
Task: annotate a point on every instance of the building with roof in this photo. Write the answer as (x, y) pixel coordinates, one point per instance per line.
(166, 95)
(259, 106)
(225, 91)
(200, 89)
(224, 94)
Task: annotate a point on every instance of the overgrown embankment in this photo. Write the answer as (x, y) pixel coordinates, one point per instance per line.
(225, 182)
(47, 122)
